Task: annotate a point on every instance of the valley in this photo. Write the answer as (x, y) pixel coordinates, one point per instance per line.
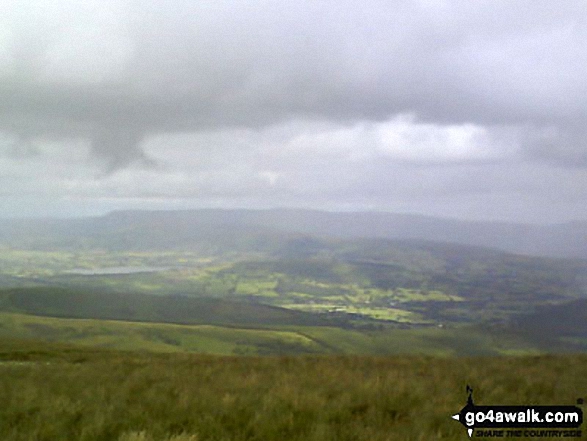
(155, 328)
(371, 293)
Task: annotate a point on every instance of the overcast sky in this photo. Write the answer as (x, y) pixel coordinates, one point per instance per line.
(465, 109)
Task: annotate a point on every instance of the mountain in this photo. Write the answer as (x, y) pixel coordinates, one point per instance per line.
(216, 231)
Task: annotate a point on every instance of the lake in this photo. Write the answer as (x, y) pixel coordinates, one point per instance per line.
(114, 270)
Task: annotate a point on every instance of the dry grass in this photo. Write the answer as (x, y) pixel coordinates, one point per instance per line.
(146, 397)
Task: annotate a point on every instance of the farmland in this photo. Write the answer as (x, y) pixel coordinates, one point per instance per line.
(418, 285)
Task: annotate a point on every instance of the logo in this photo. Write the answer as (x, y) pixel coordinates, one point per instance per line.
(517, 421)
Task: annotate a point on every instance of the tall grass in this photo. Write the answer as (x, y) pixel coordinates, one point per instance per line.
(64, 394)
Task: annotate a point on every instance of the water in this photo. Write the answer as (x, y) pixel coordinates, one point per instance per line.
(116, 270)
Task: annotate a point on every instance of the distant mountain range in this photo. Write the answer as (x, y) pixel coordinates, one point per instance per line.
(217, 230)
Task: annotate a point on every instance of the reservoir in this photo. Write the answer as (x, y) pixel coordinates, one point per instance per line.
(116, 270)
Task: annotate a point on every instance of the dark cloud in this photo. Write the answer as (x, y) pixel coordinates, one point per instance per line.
(119, 147)
(191, 64)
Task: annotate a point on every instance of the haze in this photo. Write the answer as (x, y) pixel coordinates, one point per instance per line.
(471, 110)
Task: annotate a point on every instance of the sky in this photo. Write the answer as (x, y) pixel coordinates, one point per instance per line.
(459, 109)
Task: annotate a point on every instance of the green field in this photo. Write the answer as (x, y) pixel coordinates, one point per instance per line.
(156, 337)
(285, 339)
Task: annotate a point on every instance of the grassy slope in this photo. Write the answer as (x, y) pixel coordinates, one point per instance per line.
(68, 303)
(156, 337)
(223, 340)
(58, 393)
(226, 327)
(564, 323)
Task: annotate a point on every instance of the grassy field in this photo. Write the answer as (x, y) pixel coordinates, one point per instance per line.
(157, 337)
(56, 392)
(233, 340)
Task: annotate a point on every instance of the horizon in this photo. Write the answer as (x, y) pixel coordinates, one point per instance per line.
(293, 209)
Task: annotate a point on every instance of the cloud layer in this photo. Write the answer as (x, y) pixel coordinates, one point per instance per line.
(450, 107)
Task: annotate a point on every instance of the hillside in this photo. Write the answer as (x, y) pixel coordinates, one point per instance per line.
(228, 327)
(566, 322)
(218, 231)
(57, 302)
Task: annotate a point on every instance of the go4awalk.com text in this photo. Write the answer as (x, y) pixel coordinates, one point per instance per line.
(520, 421)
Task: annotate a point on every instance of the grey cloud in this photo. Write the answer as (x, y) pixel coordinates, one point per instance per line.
(269, 103)
(17, 146)
(193, 65)
(562, 145)
(119, 148)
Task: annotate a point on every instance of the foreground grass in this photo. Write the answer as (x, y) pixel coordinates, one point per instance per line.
(55, 392)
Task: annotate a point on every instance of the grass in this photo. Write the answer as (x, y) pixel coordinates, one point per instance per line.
(232, 340)
(156, 337)
(56, 392)
(258, 288)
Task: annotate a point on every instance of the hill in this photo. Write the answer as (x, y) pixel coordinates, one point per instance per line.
(220, 326)
(218, 231)
(58, 302)
(565, 322)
